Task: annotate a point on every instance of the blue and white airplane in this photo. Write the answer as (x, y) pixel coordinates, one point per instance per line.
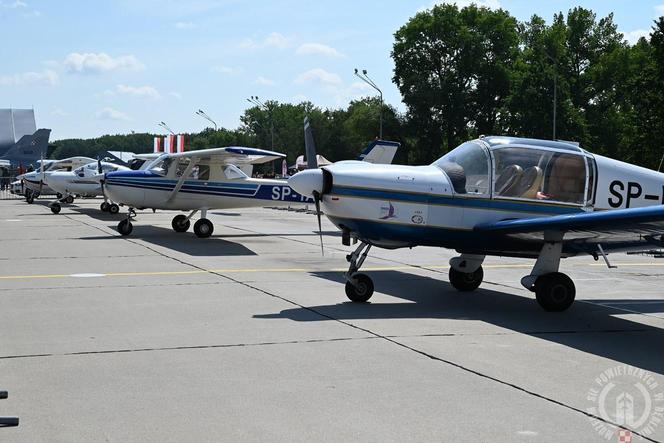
(198, 181)
(502, 196)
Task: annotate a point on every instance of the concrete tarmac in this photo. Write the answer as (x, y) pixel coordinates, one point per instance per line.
(248, 336)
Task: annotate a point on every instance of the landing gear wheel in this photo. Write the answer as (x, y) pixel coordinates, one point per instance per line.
(55, 208)
(114, 209)
(555, 292)
(69, 199)
(58, 196)
(203, 228)
(180, 223)
(466, 281)
(125, 227)
(104, 207)
(362, 290)
(30, 198)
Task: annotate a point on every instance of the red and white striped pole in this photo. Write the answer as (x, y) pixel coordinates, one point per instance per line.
(180, 143)
(157, 145)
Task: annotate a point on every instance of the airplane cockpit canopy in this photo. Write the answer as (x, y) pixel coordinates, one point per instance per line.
(517, 168)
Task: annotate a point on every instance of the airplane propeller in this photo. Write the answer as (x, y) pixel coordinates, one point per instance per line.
(312, 163)
(41, 179)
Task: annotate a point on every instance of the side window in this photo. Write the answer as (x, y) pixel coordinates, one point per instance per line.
(566, 179)
(200, 172)
(591, 180)
(519, 172)
(232, 172)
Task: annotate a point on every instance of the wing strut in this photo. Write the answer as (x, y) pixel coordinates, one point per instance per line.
(182, 179)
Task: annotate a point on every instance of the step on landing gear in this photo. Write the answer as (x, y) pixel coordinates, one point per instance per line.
(125, 227)
(554, 291)
(359, 287)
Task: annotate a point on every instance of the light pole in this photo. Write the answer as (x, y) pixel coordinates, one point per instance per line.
(254, 100)
(365, 78)
(202, 114)
(555, 90)
(165, 126)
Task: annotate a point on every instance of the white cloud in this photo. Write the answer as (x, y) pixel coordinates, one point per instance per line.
(175, 94)
(58, 112)
(299, 98)
(318, 49)
(14, 5)
(264, 81)
(228, 70)
(184, 25)
(46, 77)
(319, 75)
(274, 40)
(111, 114)
(100, 62)
(633, 37)
(138, 91)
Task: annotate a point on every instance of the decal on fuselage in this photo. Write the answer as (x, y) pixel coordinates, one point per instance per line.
(627, 192)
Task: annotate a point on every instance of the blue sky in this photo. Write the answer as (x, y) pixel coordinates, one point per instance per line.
(105, 67)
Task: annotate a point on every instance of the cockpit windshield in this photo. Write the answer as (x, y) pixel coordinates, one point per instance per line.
(467, 167)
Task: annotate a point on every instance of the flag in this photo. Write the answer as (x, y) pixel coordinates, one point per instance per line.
(157, 145)
(180, 143)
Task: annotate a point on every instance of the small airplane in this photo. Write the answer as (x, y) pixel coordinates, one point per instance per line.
(501, 196)
(198, 181)
(81, 182)
(34, 181)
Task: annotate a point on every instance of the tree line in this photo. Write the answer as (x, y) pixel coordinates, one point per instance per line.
(472, 71)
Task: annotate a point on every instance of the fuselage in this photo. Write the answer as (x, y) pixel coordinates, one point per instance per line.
(482, 181)
(147, 189)
(81, 181)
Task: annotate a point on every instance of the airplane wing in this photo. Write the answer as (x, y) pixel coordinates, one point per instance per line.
(614, 229)
(235, 155)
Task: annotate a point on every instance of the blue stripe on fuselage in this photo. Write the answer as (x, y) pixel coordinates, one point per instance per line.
(478, 203)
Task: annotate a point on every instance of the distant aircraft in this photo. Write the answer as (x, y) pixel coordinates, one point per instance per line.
(198, 181)
(502, 196)
(28, 149)
(21, 143)
(81, 182)
(34, 181)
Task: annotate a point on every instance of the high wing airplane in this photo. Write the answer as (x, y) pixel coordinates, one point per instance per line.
(34, 181)
(502, 196)
(198, 181)
(81, 182)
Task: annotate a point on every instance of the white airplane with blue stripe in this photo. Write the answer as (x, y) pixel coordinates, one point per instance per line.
(198, 181)
(502, 196)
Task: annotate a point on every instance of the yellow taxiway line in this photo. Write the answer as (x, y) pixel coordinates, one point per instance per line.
(303, 270)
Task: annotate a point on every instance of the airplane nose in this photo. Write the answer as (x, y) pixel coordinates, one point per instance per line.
(307, 181)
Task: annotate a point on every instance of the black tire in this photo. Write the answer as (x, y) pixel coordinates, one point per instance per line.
(362, 290)
(555, 292)
(104, 207)
(113, 208)
(125, 227)
(56, 208)
(69, 199)
(58, 196)
(27, 192)
(203, 228)
(180, 223)
(466, 281)
(30, 198)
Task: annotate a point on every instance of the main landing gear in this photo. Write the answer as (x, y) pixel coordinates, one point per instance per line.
(553, 290)
(466, 273)
(111, 208)
(56, 206)
(359, 287)
(30, 196)
(203, 228)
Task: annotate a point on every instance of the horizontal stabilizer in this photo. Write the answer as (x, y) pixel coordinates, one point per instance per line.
(380, 152)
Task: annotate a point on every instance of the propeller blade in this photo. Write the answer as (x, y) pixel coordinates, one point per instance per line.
(98, 166)
(310, 146)
(317, 198)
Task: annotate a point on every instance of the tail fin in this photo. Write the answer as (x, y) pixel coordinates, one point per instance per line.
(309, 145)
(380, 152)
(29, 148)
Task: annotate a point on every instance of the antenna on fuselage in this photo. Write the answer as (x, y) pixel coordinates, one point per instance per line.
(659, 169)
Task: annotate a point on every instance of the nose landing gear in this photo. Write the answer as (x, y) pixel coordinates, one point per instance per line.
(359, 287)
(125, 227)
